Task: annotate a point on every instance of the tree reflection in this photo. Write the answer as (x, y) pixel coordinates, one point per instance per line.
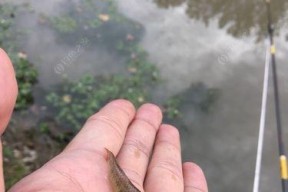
(241, 17)
(169, 3)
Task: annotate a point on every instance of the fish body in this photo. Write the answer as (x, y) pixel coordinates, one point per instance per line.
(119, 180)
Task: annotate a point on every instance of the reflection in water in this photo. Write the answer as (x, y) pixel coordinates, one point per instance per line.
(168, 3)
(239, 17)
(222, 142)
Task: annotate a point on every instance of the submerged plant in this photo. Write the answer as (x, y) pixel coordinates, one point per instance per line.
(98, 21)
(7, 14)
(64, 24)
(171, 107)
(26, 76)
(75, 101)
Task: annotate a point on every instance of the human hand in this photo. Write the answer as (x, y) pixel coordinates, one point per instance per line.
(148, 151)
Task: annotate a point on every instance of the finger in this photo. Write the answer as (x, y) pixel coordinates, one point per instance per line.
(165, 169)
(194, 179)
(8, 90)
(138, 143)
(105, 129)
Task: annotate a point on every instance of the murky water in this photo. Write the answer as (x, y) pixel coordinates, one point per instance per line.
(220, 43)
(187, 44)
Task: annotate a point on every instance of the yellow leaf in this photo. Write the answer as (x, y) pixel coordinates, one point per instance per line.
(104, 17)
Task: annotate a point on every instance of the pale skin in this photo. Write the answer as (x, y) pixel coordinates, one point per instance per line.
(128, 133)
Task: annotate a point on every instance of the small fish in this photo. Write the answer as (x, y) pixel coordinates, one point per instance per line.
(119, 180)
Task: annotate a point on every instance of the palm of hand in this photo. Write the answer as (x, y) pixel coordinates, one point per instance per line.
(72, 171)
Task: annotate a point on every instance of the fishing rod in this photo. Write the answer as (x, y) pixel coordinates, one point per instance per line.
(262, 122)
(282, 156)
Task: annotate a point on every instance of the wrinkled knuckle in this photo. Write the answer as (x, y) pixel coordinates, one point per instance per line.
(192, 188)
(170, 146)
(145, 123)
(67, 176)
(135, 143)
(126, 107)
(171, 167)
(123, 102)
(108, 122)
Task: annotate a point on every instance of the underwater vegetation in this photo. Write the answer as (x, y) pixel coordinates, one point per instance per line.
(98, 21)
(101, 24)
(90, 93)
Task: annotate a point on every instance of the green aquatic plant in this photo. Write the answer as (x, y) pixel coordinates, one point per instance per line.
(202, 98)
(171, 107)
(103, 26)
(75, 101)
(98, 21)
(209, 100)
(26, 76)
(64, 24)
(7, 14)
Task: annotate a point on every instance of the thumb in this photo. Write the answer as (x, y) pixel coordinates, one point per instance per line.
(8, 90)
(8, 95)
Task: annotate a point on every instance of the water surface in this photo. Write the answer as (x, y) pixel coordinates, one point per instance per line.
(219, 43)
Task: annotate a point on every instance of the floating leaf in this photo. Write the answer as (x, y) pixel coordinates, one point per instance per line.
(104, 17)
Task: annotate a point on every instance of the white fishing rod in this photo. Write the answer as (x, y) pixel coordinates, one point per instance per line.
(262, 122)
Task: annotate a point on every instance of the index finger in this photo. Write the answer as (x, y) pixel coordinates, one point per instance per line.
(105, 129)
